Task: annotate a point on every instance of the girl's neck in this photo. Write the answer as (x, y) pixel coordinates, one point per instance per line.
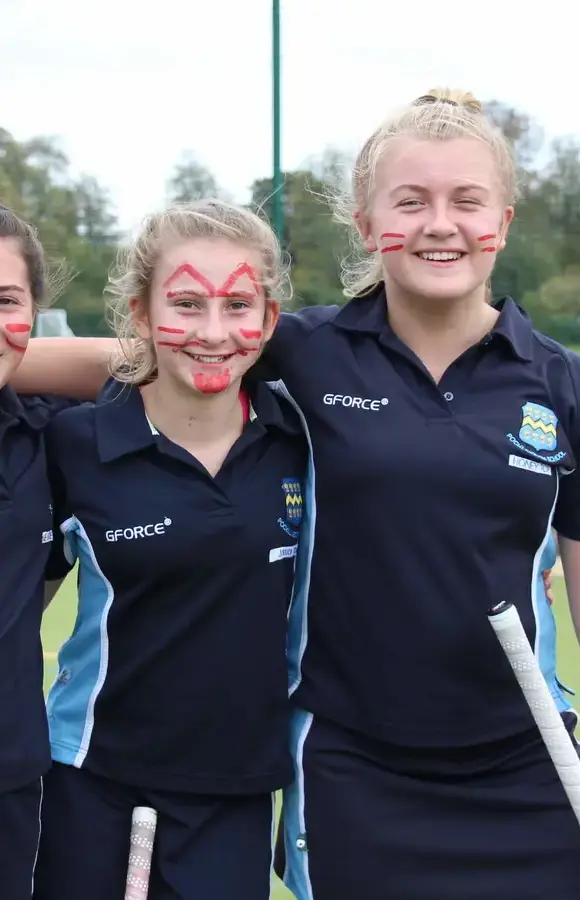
(186, 417)
(439, 331)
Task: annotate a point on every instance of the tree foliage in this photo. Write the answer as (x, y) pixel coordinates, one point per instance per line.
(540, 266)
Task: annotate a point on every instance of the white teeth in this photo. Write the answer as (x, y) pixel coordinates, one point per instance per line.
(440, 257)
(208, 359)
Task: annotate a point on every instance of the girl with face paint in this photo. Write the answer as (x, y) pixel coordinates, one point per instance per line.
(26, 541)
(180, 495)
(445, 433)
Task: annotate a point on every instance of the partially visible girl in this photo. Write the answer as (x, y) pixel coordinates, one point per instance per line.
(180, 495)
(26, 539)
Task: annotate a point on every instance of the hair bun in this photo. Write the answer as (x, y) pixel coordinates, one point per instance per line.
(451, 96)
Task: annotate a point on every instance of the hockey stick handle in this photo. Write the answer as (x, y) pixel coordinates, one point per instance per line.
(506, 623)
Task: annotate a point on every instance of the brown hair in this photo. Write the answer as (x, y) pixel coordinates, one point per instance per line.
(440, 114)
(26, 236)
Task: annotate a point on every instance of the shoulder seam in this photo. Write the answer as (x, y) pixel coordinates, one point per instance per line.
(311, 329)
(556, 348)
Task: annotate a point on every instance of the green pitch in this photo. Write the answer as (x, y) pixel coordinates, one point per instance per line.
(59, 620)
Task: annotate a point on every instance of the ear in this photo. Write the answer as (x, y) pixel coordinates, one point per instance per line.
(140, 318)
(508, 217)
(271, 318)
(363, 226)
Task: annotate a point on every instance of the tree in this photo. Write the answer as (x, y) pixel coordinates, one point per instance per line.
(191, 181)
(74, 219)
(312, 239)
(96, 221)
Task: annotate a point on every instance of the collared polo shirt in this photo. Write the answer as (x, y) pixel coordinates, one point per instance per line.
(175, 675)
(26, 539)
(431, 502)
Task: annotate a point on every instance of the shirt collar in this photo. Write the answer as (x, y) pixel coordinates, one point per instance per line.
(368, 314)
(123, 428)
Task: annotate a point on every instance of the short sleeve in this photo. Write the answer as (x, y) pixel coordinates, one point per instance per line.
(42, 408)
(58, 564)
(567, 513)
(291, 330)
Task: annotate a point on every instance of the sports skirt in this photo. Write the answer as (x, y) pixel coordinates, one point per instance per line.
(369, 821)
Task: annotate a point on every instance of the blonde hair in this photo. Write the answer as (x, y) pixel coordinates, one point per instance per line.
(440, 114)
(131, 277)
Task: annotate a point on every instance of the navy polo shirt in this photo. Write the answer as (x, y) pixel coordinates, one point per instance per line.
(26, 537)
(430, 504)
(175, 675)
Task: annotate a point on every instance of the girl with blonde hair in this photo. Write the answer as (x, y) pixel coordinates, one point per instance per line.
(179, 494)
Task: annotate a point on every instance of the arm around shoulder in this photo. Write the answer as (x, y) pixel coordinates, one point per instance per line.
(68, 366)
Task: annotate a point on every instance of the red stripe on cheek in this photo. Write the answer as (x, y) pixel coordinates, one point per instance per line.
(170, 330)
(18, 347)
(249, 334)
(486, 237)
(488, 249)
(394, 247)
(15, 328)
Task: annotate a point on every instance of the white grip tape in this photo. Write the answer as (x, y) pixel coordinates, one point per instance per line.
(512, 637)
(143, 825)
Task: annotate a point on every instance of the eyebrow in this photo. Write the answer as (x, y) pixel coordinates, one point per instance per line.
(420, 188)
(12, 287)
(201, 295)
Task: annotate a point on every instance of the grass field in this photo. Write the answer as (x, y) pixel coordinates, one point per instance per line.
(59, 620)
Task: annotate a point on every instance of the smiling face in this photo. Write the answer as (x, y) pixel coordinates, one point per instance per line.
(208, 315)
(437, 216)
(16, 308)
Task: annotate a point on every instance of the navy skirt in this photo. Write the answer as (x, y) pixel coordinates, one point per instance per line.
(369, 821)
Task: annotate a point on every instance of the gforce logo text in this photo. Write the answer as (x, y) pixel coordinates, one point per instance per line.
(137, 531)
(354, 402)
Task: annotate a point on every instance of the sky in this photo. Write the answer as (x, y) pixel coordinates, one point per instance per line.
(129, 85)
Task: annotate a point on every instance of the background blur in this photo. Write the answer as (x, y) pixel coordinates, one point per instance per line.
(110, 108)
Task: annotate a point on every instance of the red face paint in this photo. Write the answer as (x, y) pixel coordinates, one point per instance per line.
(210, 289)
(212, 384)
(242, 269)
(179, 346)
(386, 235)
(171, 330)
(186, 269)
(15, 328)
(249, 334)
(15, 346)
(487, 237)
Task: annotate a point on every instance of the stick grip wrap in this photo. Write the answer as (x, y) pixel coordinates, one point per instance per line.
(509, 630)
(143, 825)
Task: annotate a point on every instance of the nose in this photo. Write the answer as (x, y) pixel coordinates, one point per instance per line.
(440, 223)
(211, 328)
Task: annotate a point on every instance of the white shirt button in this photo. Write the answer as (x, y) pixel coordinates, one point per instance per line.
(448, 395)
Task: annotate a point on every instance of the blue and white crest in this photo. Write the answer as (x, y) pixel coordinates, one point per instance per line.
(294, 501)
(538, 428)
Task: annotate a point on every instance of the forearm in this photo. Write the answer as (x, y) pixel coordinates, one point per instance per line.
(67, 366)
